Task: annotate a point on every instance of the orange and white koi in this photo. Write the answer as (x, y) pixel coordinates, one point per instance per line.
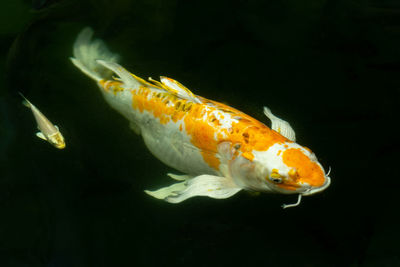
(220, 150)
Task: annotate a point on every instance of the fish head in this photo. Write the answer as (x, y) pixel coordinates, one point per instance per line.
(57, 140)
(293, 169)
(285, 168)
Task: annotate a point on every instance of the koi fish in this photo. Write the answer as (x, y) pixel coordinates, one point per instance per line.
(220, 149)
(47, 131)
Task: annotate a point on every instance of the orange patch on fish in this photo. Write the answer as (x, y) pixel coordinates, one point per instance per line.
(307, 170)
(248, 155)
(108, 85)
(204, 129)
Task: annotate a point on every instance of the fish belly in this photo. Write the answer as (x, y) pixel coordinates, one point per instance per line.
(165, 141)
(173, 148)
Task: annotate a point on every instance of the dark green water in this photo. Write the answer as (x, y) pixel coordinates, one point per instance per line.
(331, 68)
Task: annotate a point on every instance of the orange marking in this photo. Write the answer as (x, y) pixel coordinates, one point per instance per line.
(206, 132)
(102, 83)
(248, 155)
(293, 174)
(108, 85)
(307, 171)
(275, 174)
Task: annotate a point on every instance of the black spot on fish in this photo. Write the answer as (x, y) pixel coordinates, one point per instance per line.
(225, 110)
(246, 137)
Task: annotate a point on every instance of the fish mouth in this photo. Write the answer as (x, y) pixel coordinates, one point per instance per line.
(314, 190)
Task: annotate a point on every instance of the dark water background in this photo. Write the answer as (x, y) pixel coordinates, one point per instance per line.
(329, 67)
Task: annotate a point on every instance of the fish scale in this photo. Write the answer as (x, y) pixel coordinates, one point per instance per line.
(173, 153)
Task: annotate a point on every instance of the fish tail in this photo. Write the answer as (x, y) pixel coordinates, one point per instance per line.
(86, 53)
(25, 101)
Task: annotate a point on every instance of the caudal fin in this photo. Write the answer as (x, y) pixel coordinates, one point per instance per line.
(86, 51)
(25, 101)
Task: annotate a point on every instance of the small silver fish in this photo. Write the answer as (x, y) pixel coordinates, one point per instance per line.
(47, 131)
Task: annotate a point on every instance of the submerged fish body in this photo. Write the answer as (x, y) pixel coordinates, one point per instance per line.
(220, 150)
(47, 131)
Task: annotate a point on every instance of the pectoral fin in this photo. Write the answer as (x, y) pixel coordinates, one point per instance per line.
(203, 185)
(41, 135)
(164, 192)
(281, 126)
(177, 177)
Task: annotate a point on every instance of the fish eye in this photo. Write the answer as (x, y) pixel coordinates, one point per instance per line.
(275, 177)
(276, 180)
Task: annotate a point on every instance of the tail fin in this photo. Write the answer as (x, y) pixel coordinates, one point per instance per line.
(25, 101)
(86, 51)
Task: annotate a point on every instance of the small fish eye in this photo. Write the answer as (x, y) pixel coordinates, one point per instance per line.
(276, 180)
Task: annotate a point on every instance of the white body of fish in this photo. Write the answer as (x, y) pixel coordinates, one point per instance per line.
(219, 149)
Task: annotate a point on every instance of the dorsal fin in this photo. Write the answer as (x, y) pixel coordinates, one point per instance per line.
(157, 83)
(280, 126)
(176, 88)
(169, 85)
(124, 75)
(144, 82)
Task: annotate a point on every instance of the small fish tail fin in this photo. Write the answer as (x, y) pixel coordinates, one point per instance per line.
(25, 101)
(86, 53)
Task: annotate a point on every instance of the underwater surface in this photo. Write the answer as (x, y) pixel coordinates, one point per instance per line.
(329, 67)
